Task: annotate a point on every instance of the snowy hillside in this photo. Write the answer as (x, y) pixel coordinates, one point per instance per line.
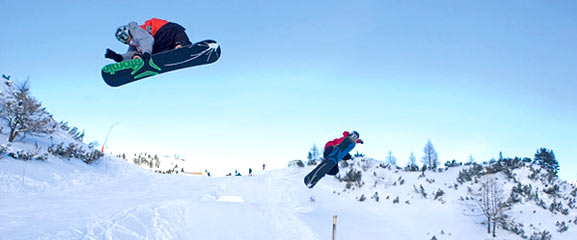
(53, 186)
(111, 199)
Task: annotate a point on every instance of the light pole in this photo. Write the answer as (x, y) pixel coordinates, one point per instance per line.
(107, 136)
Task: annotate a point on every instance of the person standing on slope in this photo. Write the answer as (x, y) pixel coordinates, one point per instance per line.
(155, 36)
(335, 150)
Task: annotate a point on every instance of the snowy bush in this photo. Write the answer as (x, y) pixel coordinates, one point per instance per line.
(466, 175)
(516, 228)
(25, 155)
(352, 177)
(553, 190)
(556, 207)
(3, 150)
(375, 196)
(453, 163)
(35, 154)
(520, 192)
(561, 227)
(420, 190)
(439, 194)
(72, 131)
(74, 151)
(545, 235)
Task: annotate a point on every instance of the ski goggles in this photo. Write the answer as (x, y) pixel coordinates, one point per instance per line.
(355, 134)
(122, 36)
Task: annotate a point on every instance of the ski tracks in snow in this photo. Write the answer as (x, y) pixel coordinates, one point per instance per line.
(195, 208)
(162, 221)
(282, 207)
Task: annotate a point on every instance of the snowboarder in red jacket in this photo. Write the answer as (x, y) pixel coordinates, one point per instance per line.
(335, 151)
(331, 145)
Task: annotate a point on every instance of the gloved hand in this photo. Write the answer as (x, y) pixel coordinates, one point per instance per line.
(113, 55)
(361, 141)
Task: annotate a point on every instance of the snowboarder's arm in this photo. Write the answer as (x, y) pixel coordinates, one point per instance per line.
(141, 42)
(132, 51)
(141, 38)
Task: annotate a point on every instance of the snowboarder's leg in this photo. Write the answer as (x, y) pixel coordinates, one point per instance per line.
(168, 37)
(344, 148)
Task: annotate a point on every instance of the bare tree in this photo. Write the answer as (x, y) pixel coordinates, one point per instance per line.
(471, 159)
(489, 199)
(430, 159)
(391, 159)
(24, 113)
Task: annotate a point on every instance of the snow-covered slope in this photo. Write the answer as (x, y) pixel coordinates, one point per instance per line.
(62, 197)
(111, 199)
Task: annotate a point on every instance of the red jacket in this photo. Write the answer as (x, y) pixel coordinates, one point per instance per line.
(153, 25)
(337, 141)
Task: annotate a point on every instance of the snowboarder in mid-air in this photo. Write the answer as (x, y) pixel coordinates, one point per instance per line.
(154, 36)
(156, 47)
(335, 150)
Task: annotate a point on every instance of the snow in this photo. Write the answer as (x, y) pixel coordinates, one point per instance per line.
(113, 199)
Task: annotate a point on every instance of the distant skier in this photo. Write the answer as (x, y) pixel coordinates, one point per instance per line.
(155, 36)
(335, 150)
(250, 171)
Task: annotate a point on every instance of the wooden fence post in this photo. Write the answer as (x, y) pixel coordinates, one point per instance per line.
(334, 227)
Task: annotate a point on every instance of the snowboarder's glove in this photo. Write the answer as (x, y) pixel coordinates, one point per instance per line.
(361, 141)
(113, 55)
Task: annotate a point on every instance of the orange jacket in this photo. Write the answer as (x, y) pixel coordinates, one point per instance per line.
(153, 25)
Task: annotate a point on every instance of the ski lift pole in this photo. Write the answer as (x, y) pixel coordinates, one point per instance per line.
(334, 227)
(107, 136)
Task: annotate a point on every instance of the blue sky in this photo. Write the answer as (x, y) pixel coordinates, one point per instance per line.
(475, 77)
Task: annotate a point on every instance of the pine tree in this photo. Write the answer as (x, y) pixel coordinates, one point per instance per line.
(314, 155)
(546, 159)
(412, 165)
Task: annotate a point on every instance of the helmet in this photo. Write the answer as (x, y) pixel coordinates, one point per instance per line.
(122, 34)
(355, 134)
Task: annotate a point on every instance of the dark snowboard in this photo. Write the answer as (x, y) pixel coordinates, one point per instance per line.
(326, 165)
(200, 53)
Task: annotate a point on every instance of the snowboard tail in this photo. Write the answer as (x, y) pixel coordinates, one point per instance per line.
(197, 54)
(319, 172)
